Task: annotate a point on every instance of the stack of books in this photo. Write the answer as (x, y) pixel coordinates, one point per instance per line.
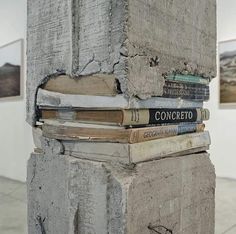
(92, 109)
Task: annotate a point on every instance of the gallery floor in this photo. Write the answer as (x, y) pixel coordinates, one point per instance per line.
(13, 207)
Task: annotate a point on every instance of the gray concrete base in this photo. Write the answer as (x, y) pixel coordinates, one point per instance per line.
(69, 195)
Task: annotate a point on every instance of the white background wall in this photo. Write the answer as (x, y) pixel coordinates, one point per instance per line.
(223, 121)
(15, 134)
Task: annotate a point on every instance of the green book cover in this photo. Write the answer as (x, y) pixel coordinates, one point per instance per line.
(188, 78)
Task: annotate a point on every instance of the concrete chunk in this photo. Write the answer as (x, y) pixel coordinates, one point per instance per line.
(68, 195)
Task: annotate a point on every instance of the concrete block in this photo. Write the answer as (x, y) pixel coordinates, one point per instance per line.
(138, 41)
(69, 195)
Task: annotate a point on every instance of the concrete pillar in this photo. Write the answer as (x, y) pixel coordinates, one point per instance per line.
(69, 195)
(138, 42)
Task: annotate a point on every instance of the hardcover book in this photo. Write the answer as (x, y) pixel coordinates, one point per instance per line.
(139, 152)
(107, 85)
(103, 133)
(183, 90)
(49, 99)
(99, 85)
(188, 79)
(128, 117)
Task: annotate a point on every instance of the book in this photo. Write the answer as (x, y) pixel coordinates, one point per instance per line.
(139, 152)
(183, 90)
(187, 86)
(186, 94)
(128, 117)
(99, 84)
(188, 79)
(107, 85)
(126, 153)
(80, 131)
(49, 99)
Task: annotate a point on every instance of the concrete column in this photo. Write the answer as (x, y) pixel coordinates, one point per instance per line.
(138, 42)
(69, 195)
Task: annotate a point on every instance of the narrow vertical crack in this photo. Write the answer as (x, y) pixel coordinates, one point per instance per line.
(41, 224)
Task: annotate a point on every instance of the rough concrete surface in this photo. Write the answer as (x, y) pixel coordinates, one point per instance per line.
(68, 195)
(138, 41)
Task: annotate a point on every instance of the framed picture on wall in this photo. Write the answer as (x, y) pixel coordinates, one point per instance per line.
(227, 63)
(11, 67)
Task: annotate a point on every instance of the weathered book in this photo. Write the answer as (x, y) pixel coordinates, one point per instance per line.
(87, 132)
(99, 85)
(188, 79)
(186, 94)
(107, 85)
(128, 117)
(191, 91)
(188, 86)
(139, 152)
(58, 100)
(131, 153)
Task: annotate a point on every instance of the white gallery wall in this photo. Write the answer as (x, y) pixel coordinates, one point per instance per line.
(223, 121)
(15, 134)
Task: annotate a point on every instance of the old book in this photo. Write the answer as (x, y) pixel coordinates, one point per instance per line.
(139, 152)
(188, 79)
(128, 117)
(187, 86)
(80, 131)
(99, 84)
(183, 90)
(186, 94)
(132, 153)
(51, 99)
(106, 85)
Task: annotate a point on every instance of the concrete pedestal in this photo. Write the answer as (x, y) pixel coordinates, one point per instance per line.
(69, 195)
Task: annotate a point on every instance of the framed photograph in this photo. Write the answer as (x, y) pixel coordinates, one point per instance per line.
(11, 67)
(227, 63)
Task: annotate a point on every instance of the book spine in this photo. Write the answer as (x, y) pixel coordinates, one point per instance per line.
(53, 100)
(188, 79)
(161, 148)
(181, 91)
(163, 116)
(122, 136)
(142, 134)
(189, 128)
(201, 95)
(188, 86)
(71, 133)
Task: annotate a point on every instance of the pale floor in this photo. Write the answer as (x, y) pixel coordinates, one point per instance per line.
(13, 207)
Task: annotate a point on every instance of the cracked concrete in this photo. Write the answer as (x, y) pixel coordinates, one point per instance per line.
(74, 196)
(137, 41)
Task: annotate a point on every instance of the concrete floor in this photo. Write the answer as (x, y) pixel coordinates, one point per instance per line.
(225, 206)
(13, 207)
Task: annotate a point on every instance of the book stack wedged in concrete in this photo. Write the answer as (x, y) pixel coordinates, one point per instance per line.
(115, 92)
(93, 118)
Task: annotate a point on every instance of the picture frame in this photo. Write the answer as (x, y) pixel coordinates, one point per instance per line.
(11, 70)
(227, 73)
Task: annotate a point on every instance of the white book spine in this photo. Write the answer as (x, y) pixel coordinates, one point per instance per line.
(57, 100)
